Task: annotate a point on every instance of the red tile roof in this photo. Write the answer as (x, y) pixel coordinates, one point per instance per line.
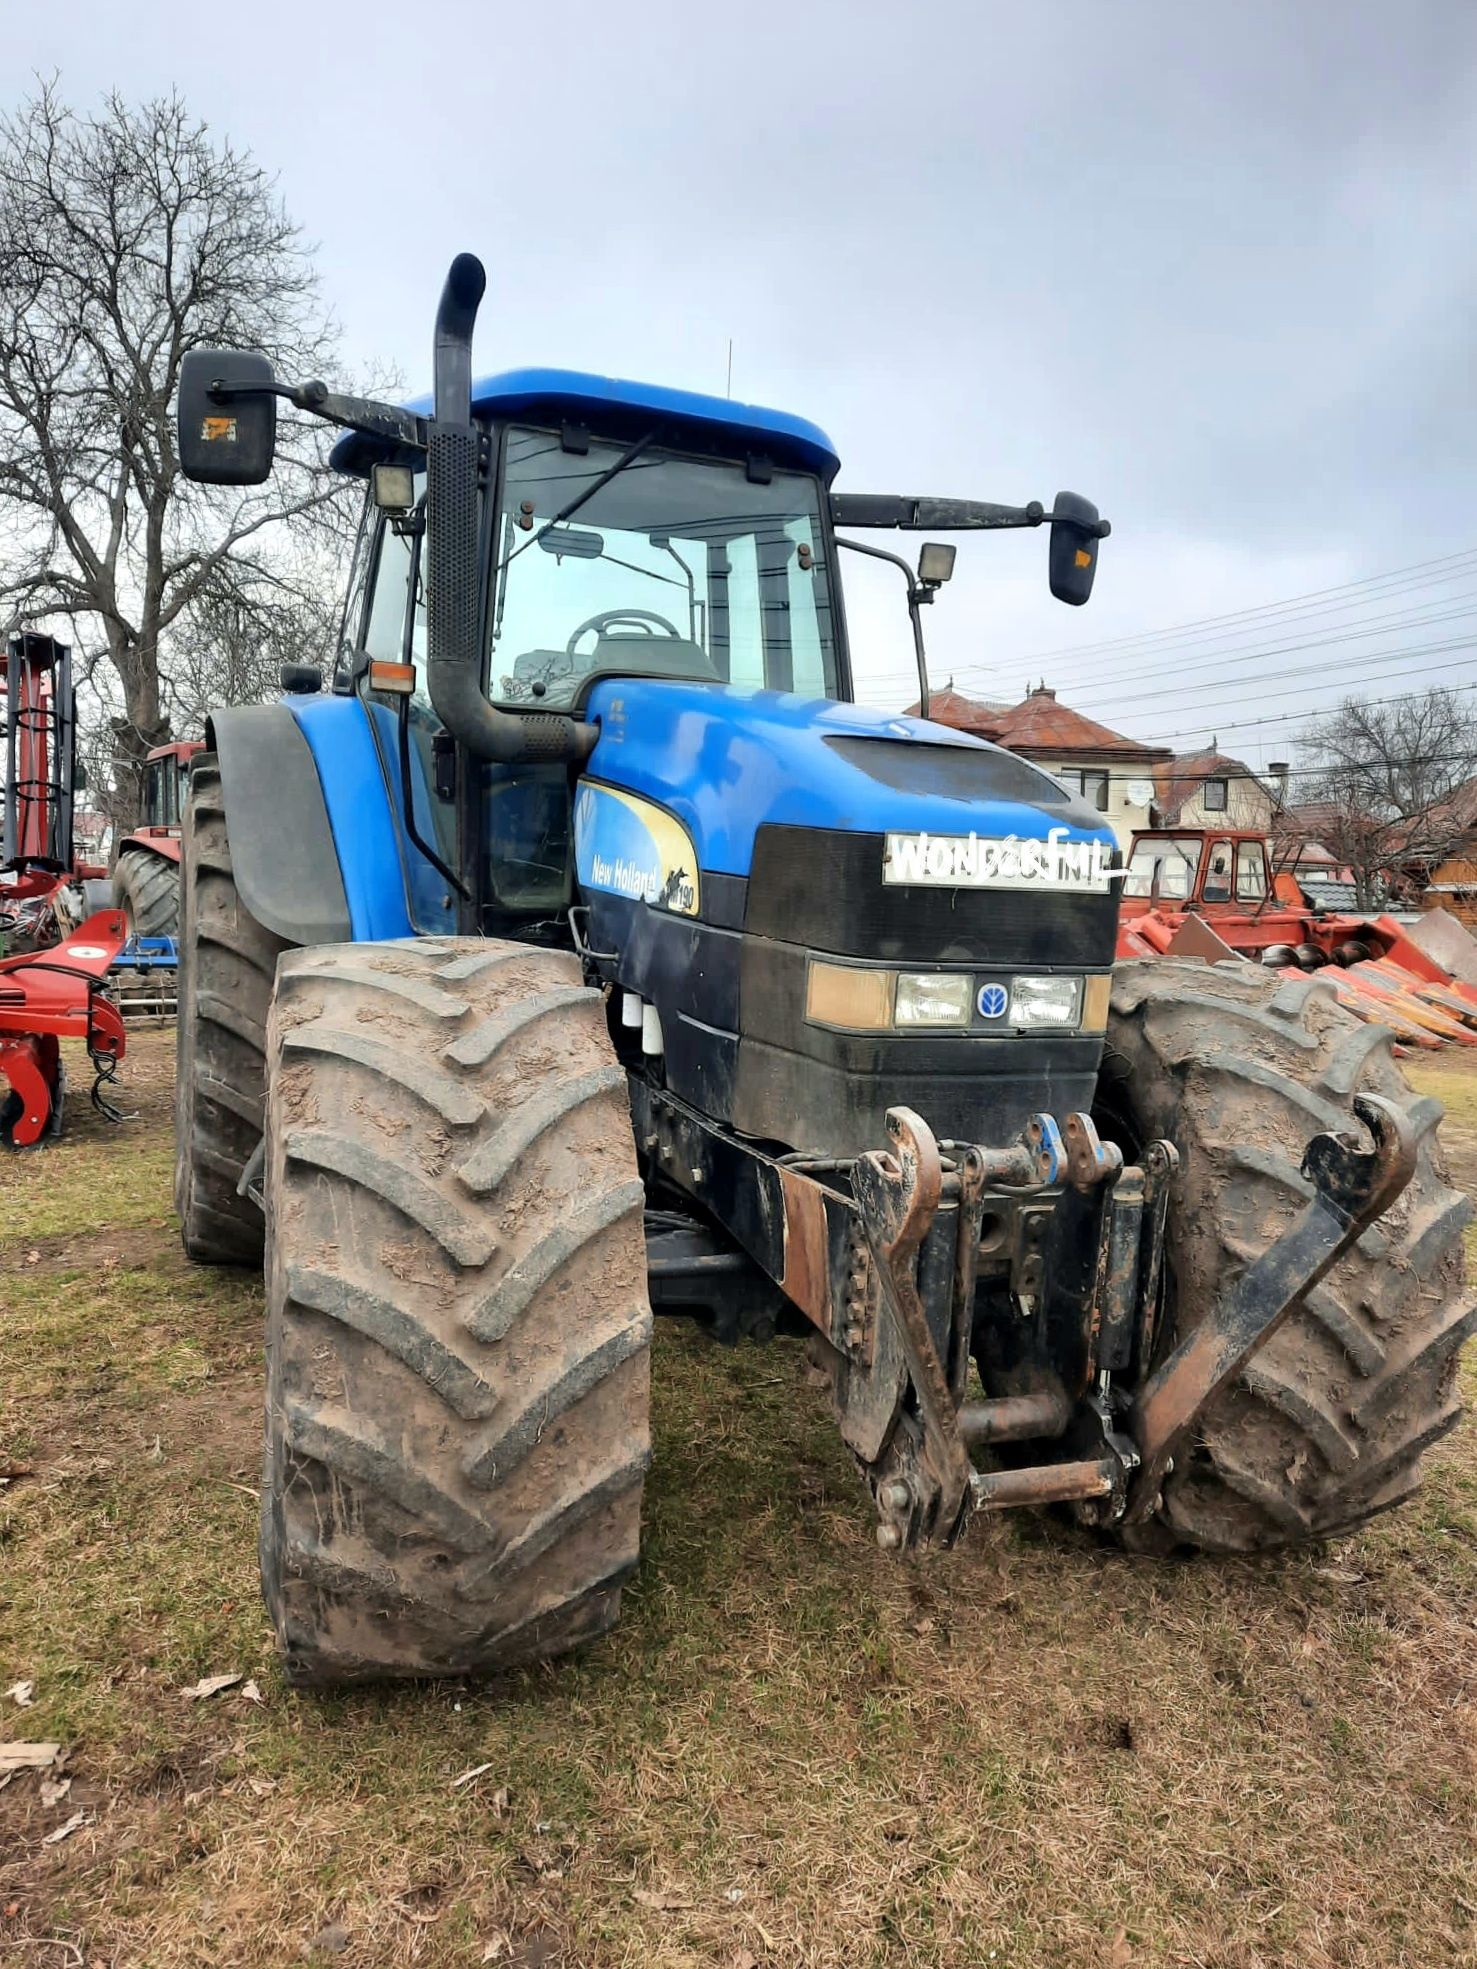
(1177, 781)
(1037, 724)
(964, 714)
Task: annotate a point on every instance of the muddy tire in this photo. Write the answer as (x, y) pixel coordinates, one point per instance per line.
(226, 965)
(458, 1330)
(1328, 1424)
(146, 888)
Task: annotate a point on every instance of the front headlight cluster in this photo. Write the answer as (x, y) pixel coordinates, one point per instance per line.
(855, 999)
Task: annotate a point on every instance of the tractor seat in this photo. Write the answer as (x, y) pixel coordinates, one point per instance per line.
(652, 656)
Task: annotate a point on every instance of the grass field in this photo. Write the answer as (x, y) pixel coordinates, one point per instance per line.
(1032, 1753)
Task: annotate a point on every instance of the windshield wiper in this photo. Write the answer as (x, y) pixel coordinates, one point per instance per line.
(627, 457)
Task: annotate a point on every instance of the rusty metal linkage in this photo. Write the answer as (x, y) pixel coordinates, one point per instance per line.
(1352, 1186)
(899, 1196)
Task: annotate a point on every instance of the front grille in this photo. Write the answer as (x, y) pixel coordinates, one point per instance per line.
(824, 888)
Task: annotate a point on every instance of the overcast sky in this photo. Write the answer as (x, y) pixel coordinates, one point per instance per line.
(1213, 265)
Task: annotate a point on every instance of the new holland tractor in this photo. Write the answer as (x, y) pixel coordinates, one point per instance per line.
(576, 948)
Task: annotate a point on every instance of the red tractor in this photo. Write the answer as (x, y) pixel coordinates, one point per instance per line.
(1212, 893)
(146, 874)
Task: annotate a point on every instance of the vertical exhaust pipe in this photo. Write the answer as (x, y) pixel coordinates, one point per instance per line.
(453, 577)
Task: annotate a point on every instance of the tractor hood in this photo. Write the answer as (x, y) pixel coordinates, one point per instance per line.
(725, 762)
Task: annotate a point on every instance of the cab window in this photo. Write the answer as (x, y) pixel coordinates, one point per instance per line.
(1218, 873)
(655, 564)
(1165, 866)
(1251, 872)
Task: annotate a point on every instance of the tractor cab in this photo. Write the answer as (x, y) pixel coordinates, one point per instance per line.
(1197, 870)
(166, 786)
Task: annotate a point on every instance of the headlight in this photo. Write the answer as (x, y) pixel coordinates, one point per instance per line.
(1046, 1002)
(933, 998)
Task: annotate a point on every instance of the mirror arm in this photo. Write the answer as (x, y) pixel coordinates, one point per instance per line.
(919, 592)
(913, 514)
(375, 420)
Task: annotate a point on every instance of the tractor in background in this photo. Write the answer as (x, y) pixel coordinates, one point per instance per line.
(146, 871)
(575, 947)
(1211, 893)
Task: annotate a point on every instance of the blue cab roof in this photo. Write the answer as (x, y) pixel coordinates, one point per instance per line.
(572, 393)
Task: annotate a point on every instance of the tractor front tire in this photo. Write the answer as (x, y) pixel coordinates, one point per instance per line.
(1327, 1424)
(146, 889)
(458, 1330)
(227, 961)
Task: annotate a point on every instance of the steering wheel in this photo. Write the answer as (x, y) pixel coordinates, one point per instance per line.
(643, 616)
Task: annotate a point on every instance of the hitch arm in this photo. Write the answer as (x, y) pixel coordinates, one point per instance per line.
(1351, 1186)
(899, 1197)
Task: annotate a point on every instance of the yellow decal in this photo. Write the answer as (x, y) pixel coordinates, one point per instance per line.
(219, 430)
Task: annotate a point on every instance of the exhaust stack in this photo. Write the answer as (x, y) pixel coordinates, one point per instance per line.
(453, 577)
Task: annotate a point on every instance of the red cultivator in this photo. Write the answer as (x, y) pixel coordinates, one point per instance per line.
(1209, 894)
(47, 996)
(55, 993)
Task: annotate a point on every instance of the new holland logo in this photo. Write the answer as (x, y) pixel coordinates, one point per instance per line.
(992, 1001)
(973, 861)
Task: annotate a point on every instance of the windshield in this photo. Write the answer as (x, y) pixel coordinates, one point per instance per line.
(677, 567)
(1173, 862)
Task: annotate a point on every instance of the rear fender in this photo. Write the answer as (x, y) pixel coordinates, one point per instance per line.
(154, 841)
(313, 840)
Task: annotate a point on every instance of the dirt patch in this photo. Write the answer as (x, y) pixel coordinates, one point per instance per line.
(127, 1248)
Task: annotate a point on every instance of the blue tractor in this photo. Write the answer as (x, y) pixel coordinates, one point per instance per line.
(581, 950)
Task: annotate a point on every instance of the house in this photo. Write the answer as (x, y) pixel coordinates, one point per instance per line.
(1209, 789)
(1110, 772)
(1451, 882)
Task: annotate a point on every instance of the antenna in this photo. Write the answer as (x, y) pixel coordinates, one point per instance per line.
(728, 382)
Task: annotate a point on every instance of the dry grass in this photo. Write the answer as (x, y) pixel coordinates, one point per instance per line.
(1033, 1753)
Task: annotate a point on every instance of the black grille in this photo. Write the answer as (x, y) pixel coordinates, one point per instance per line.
(824, 889)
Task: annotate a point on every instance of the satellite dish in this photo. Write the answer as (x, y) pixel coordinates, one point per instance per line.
(1140, 792)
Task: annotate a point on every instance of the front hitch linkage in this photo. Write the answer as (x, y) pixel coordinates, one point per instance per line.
(898, 1195)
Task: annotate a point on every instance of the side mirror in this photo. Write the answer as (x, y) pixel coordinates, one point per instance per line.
(1075, 532)
(226, 417)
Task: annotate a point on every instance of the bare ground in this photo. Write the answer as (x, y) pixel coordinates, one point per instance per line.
(1034, 1752)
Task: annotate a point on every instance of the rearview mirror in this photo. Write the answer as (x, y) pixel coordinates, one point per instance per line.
(581, 542)
(1075, 532)
(226, 417)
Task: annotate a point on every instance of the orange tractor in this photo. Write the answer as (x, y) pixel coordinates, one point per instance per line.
(1212, 893)
(146, 873)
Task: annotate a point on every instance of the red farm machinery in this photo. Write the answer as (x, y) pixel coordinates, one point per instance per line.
(53, 989)
(146, 872)
(1212, 893)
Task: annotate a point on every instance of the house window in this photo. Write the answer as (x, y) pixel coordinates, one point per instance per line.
(1093, 787)
(1215, 796)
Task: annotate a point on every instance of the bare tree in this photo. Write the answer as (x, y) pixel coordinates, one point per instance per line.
(127, 239)
(1379, 786)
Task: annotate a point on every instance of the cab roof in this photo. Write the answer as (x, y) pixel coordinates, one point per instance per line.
(618, 405)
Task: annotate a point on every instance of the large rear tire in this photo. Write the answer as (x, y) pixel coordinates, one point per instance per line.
(458, 1331)
(1238, 1067)
(226, 965)
(146, 889)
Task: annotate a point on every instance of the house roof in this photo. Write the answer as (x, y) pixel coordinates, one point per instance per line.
(1178, 780)
(1040, 724)
(964, 714)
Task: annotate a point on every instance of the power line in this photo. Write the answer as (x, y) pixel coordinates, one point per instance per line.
(1264, 609)
(1311, 719)
(1253, 653)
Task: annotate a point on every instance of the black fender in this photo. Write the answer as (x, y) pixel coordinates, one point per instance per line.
(282, 848)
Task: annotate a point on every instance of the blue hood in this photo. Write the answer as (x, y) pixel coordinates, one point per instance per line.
(727, 761)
